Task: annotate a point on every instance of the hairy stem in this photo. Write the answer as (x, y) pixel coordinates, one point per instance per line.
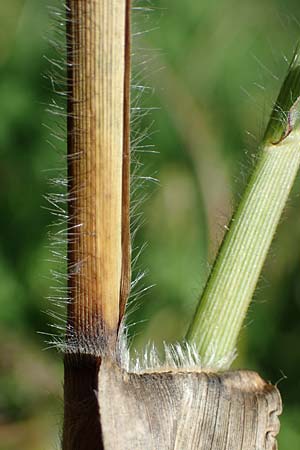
(98, 198)
(223, 306)
(98, 168)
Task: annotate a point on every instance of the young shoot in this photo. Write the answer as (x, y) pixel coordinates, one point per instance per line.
(230, 287)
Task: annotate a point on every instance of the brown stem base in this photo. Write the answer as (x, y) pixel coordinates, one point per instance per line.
(82, 426)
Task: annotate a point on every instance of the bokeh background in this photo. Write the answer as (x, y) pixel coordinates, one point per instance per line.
(211, 70)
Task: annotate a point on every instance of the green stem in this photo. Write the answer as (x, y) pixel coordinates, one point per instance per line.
(226, 298)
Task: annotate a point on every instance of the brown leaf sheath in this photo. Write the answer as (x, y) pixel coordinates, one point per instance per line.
(178, 410)
(98, 170)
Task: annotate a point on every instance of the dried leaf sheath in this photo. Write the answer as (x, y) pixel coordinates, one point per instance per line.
(179, 410)
(98, 119)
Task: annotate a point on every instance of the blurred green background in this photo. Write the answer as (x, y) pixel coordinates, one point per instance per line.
(214, 68)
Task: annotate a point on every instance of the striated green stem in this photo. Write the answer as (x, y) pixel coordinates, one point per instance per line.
(223, 306)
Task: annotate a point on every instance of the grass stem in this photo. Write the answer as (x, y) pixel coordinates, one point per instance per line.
(230, 287)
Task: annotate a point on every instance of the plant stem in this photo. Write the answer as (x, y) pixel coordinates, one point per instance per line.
(98, 170)
(98, 199)
(223, 306)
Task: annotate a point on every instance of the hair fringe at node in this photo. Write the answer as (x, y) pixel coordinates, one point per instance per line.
(181, 356)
